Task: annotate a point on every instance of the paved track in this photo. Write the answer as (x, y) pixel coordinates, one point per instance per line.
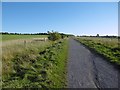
(88, 70)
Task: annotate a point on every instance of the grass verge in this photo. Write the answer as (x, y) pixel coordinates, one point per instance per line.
(109, 51)
(9, 52)
(46, 69)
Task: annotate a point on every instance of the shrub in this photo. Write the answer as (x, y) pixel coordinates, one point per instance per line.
(54, 36)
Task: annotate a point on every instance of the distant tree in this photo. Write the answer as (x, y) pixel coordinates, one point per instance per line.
(48, 32)
(5, 33)
(63, 35)
(97, 35)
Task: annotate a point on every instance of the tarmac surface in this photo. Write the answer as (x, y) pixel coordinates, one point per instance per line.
(88, 70)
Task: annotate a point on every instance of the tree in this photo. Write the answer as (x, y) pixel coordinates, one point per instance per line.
(48, 32)
(54, 36)
(63, 35)
(97, 35)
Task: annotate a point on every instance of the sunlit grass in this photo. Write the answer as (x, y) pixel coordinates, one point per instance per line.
(107, 47)
(37, 64)
(10, 51)
(110, 42)
(15, 37)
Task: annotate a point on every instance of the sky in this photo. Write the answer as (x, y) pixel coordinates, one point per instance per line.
(78, 18)
(60, 0)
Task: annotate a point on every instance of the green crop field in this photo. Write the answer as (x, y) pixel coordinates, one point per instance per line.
(107, 47)
(15, 37)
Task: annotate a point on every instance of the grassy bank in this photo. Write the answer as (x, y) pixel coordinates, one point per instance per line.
(107, 47)
(9, 52)
(41, 66)
(15, 37)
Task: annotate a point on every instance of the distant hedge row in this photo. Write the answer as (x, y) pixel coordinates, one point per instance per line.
(48, 33)
(101, 36)
(6, 33)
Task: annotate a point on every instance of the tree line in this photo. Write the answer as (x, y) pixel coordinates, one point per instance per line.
(53, 35)
(100, 36)
(7, 33)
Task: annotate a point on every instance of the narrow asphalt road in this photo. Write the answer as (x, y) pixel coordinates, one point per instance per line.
(88, 70)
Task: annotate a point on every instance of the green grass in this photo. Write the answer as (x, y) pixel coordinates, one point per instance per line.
(10, 51)
(38, 66)
(58, 74)
(14, 37)
(107, 47)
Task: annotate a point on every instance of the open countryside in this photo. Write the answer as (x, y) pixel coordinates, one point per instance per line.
(61, 63)
(67, 51)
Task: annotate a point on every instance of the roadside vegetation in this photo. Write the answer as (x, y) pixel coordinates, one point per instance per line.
(54, 36)
(10, 51)
(38, 64)
(108, 47)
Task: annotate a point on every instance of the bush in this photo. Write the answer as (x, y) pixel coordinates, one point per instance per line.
(54, 36)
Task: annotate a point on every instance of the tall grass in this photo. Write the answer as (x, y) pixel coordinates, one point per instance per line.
(109, 42)
(15, 37)
(36, 64)
(107, 47)
(10, 51)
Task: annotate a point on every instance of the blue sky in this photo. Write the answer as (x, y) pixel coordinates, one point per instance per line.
(83, 18)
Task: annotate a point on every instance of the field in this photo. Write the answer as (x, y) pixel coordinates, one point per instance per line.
(15, 37)
(33, 63)
(108, 47)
